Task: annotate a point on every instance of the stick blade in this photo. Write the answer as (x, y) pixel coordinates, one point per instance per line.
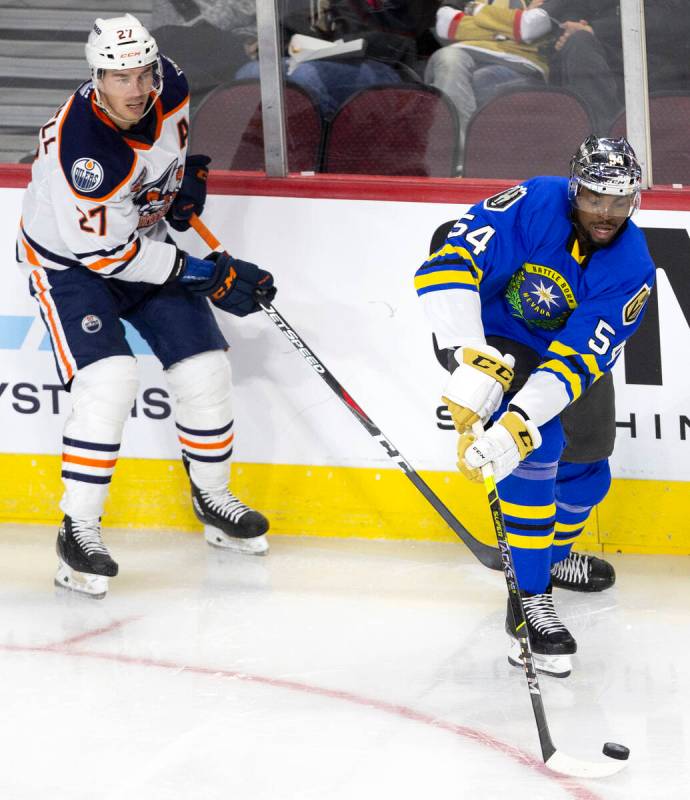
(576, 768)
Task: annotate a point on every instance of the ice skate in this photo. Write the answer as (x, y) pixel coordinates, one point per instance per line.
(84, 564)
(582, 573)
(228, 522)
(551, 642)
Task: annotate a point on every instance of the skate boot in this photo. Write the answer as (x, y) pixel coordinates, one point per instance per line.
(582, 573)
(84, 564)
(551, 642)
(229, 523)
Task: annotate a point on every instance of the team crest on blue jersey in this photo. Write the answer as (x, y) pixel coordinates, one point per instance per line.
(540, 297)
(87, 175)
(153, 199)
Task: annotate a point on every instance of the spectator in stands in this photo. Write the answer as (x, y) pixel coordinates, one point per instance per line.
(490, 46)
(391, 30)
(397, 32)
(212, 38)
(588, 55)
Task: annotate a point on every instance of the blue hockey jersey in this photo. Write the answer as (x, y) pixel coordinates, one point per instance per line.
(518, 255)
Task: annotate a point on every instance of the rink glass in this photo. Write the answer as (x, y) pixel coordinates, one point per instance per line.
(404, 131)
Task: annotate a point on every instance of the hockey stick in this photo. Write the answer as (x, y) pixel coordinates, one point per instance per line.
(554, 759)
(488, 556)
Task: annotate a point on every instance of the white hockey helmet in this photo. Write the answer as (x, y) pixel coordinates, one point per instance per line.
(122, 43)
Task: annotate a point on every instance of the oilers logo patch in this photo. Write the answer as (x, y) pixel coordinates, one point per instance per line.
(633, 308)
(540, 297)
(87, 175)
(91, 324)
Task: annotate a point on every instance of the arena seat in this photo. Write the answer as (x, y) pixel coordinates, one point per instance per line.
(669, 121)
(521, 133)
(403, 129)
(228, 127)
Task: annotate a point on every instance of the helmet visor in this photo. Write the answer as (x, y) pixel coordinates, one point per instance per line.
(604, 205)
(128, 95)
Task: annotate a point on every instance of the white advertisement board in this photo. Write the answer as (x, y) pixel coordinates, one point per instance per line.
(344, 272)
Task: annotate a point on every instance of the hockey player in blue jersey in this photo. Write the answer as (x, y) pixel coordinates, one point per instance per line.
(110, 175)
(533, 296)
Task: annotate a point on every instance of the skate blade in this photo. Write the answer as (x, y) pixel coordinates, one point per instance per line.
(83, 583)
(256, 546)
(559, 666)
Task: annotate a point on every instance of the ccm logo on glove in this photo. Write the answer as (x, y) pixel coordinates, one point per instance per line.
(475, 389)
(498, 370)
(226, 286)
(231, 284)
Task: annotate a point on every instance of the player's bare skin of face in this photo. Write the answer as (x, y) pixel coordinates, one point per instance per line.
(600, 216)
(125, 93)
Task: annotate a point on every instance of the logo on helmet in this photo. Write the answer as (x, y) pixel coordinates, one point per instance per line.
(87, 174)
(605, 166)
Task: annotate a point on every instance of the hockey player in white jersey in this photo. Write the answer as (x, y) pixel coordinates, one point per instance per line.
(111, 173)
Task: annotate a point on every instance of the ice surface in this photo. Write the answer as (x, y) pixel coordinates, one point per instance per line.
(328, 670)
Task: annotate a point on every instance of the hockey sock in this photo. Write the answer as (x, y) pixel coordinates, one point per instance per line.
(102, 397)
(570, 522)
(202, 386)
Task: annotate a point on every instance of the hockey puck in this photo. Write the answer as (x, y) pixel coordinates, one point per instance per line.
(618, 751)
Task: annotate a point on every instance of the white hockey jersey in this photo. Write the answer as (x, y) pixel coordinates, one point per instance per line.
(98, 194)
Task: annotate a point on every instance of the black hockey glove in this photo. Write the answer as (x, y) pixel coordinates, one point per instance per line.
(234, 284)
(191, 197)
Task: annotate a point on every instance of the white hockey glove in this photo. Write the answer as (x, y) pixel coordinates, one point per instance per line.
(504, 446)
(475, 389)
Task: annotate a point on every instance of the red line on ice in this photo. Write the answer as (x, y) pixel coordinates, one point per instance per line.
(66, 648)
(118, 623)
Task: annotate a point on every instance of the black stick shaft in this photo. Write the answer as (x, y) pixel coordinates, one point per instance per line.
(488, 556)
(518, 612)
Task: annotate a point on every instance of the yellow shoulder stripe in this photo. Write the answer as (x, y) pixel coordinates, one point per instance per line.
(444, 276)
(590, 361)
(463, 252)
